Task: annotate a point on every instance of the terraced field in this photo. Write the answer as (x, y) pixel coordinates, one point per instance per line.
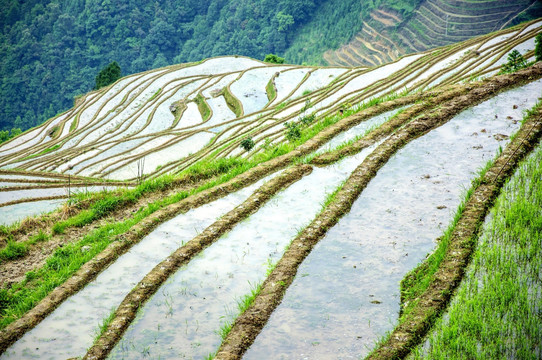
(261, 211)
(387, 36)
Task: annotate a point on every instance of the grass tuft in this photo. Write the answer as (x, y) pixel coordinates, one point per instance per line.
(13, 250)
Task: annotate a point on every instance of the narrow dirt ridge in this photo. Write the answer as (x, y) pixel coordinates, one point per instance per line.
(127, 310)
(248, 325)
(434, 300)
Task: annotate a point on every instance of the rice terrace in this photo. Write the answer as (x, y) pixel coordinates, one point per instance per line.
(233, 208)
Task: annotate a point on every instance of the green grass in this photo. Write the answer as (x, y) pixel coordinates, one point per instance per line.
(419, 279)
(73, 125)
(106, 202)
(155, 94)
(331, 196)
(310, 131)
(233, 103)
(496, 311)
(365, 133)
(244, 303)
(13, 250)
(211, 167)
(43, 152)
(65, 261)
(270, 90)
(203, 107)
(104, 324)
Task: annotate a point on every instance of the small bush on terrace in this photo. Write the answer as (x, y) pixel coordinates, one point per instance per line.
(247, 144)
(293, 132)
(273, 59)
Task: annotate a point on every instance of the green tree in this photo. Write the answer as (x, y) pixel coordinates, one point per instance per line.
(4, 135)
(15, 132)
(515, 62)
(108, 75)
(273, 59)
(285, 21)
(538, 47)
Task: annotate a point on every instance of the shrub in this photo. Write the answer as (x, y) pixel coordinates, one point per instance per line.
(273, 59)
(306, 120)
(293, 132)
(247, 144)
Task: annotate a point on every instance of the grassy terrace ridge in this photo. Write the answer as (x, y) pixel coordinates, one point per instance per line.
(203, 107)
(427, 289)
(251, 322)
(502, 287)
(233, 102)
(271, 89)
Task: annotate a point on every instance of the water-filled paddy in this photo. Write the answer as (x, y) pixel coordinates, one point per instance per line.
(346, 294)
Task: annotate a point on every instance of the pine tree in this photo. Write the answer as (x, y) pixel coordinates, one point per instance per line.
(516, 62)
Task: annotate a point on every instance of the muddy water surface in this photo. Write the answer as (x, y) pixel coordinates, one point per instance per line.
(346, 294)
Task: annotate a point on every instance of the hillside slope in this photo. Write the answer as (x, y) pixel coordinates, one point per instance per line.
(388, 34)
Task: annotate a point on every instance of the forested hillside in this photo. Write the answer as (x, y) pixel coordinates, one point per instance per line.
(51, 50)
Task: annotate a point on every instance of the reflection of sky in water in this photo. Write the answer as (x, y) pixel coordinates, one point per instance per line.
(250, 88)
(70, 329)
(182, 319)
(17, 212)
(357, 130)
(328, 312)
